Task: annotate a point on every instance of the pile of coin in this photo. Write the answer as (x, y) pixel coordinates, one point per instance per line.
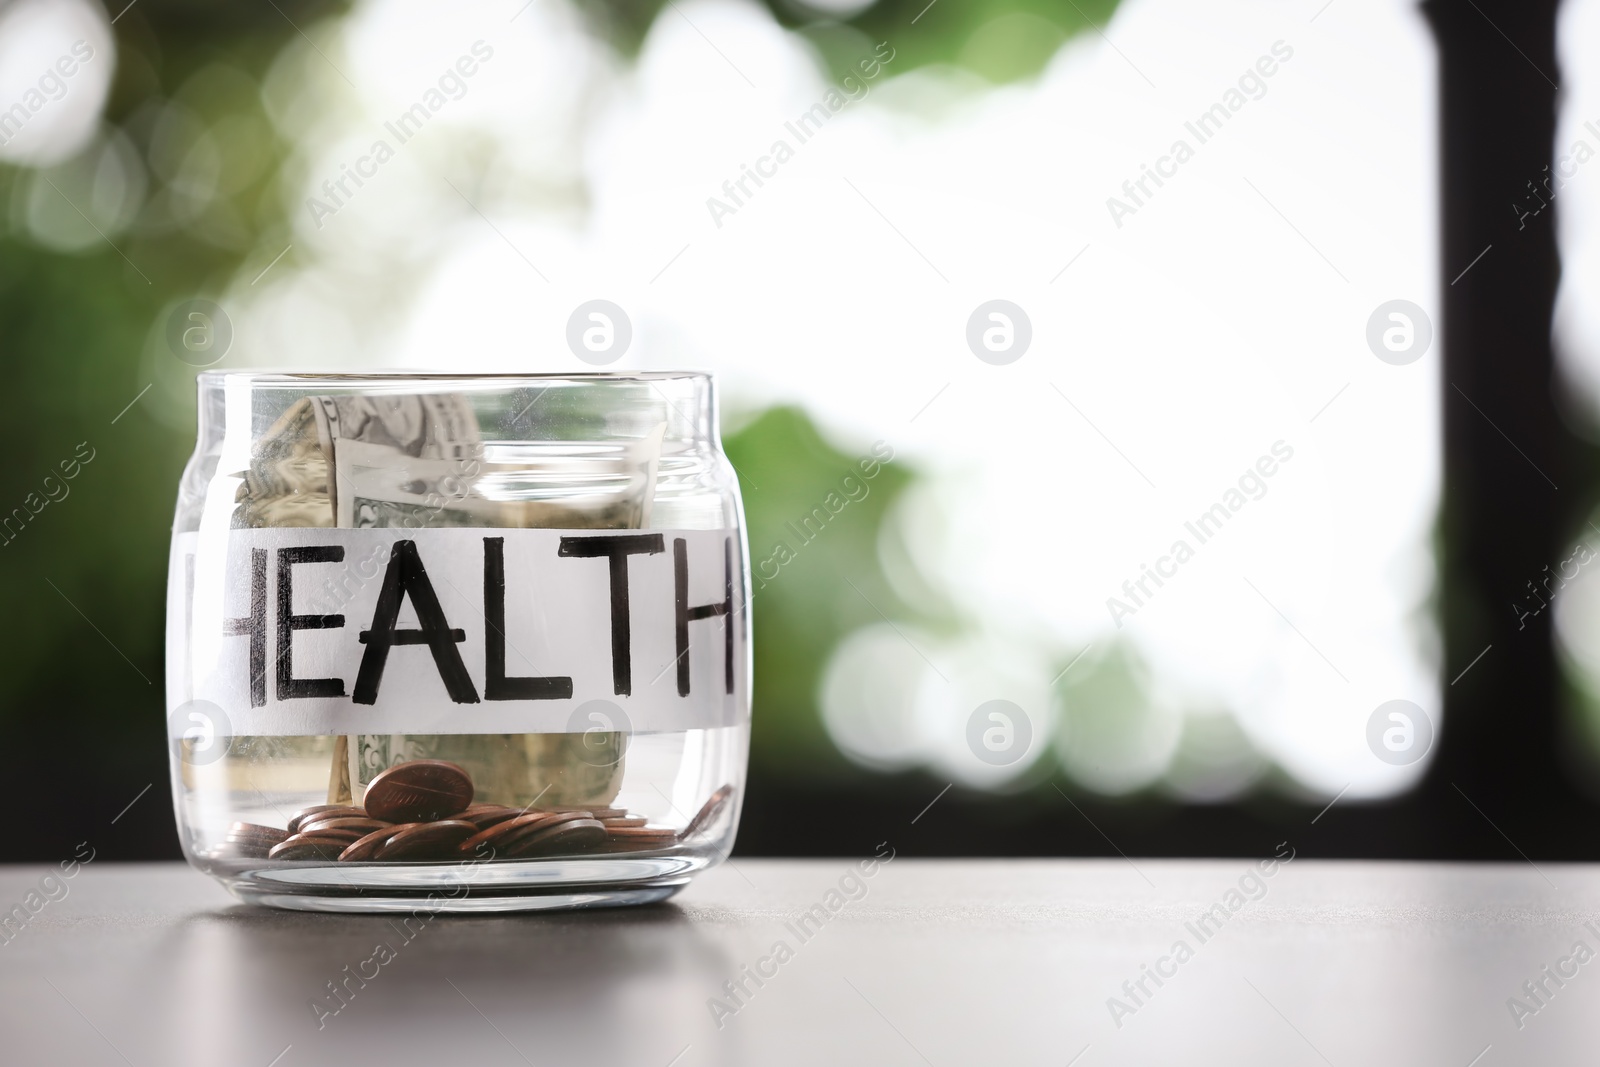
(423, 810)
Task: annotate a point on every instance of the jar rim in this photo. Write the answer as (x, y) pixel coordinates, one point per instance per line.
(280, 377)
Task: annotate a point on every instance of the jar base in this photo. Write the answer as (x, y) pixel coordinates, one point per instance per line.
(486, 903)
(439, 888)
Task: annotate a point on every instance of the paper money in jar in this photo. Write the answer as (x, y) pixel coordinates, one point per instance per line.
(418, 460)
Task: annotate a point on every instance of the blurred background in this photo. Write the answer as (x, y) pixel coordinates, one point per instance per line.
(1279, 284)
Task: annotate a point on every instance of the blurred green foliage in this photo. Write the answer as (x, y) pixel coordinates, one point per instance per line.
(786, 471)
(85, 572)
(1001, 40)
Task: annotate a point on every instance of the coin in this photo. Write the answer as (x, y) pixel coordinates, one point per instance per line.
(419, 791)
(484, 816)
(344, 837)
(620, 821)
(251, 841)
(551, 819)
(642, 839)
(571, 836)
(302, 847)
(708, 812)
(324, 811)
(360, 825)
(262, 843)
(429, 841)
(641, 833)
(254, 832)
(505, 838)
(496, 835)
(366, 848)
(592, 812)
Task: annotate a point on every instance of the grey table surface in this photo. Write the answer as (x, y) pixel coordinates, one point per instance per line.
(931, 962)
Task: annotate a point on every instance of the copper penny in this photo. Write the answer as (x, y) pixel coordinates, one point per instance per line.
(708, 811)
(495, 836)
(421, 790)
(301, 847)
(361, 825)
(572, 836)
(250, 841)
(430, 841)
(612, 846)
(641, 831)
(341, 838)
(254, 832)
(321, 811)
(622, 822)
(484, 816)
(637, 841)
(592, 812)
(551, 819)
(366, 848)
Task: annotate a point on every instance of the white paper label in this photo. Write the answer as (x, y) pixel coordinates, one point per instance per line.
(453, 631)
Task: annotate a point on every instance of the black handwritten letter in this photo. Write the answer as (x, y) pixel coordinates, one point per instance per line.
(685, 614)
(290, 687)
(254, 625)
(617, 549)
(406, 577)
(496, 685)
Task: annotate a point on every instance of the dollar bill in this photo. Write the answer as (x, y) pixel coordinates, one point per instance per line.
(418, 461)
(286, 483)
(407, 448)
(532, 488)
(418, 425)
(379, 487)
(518, 770)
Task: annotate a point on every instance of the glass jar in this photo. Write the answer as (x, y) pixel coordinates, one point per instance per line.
(462, 643)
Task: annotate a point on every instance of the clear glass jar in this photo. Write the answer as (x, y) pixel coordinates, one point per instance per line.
(462, 643)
